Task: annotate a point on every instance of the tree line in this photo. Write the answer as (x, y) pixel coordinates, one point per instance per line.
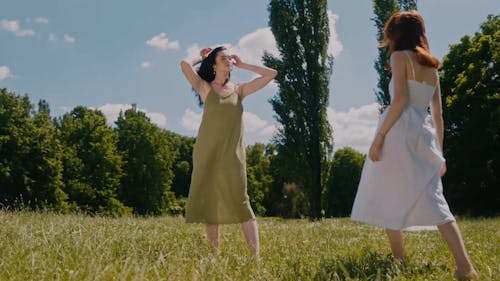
(77, 162)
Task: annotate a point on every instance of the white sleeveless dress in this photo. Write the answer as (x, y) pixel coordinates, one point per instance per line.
(404, 188)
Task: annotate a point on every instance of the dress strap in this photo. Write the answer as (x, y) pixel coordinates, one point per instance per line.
(411, 64)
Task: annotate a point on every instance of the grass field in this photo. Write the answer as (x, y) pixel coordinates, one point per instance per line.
(46, 246)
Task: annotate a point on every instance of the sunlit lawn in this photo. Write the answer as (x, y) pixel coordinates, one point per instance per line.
(46, 246)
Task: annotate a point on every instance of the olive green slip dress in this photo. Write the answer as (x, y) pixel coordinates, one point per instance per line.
(218, 192)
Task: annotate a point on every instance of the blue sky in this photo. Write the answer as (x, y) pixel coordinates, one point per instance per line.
(109, 54)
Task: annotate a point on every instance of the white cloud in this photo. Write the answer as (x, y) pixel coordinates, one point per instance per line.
(14, 27)
(69, 39)
(257, 129)
(355, 127)
(157, 118)
(111, 111)
(269, 130)
(146, 64)
(41, 20)
(251, 46)
(334, 45)
(193, 52)
(191, 120)
(4, 72)
(64, 109)
(161, 41)
(52, 37)
(252, 122)
(273, 85)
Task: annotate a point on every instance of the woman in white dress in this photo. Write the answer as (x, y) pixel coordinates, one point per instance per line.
(400, 184)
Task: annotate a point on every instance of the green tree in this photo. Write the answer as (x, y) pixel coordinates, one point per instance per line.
(148, 163)
(92, 164)
(258, 175)
(274, 200)
(46, 158)
(383, 10)
(343, 181)
(282, 199)
(407, 5)
(304, 140)
(30, 155)
(43, 107)
(183, 163)
(471, 104)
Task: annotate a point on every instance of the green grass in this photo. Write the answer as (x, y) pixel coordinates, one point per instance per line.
(46, 246)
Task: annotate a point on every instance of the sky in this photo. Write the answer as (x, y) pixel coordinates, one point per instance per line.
(111, 54)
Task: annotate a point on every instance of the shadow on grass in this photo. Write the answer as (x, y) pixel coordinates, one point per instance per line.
(368, 265)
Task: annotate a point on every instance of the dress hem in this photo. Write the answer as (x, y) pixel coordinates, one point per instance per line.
(389, 226)
(220, 222)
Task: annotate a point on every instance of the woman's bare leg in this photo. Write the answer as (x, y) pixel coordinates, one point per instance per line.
(452, 236)
(213, 236)
(396, 240)
(251, 231)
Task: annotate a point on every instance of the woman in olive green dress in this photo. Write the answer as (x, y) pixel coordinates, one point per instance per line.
(218, 192)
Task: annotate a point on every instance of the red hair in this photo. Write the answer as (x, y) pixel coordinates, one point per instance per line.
(405, 30)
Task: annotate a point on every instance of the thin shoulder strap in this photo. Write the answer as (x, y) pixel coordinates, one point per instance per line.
(411, 64)
(237, 89)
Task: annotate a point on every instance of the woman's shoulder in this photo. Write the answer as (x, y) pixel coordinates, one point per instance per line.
(234, 85)
(399, 55)
(398, 59)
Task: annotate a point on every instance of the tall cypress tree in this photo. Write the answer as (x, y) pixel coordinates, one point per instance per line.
(407, 4)
(383, 10)
(304, 139)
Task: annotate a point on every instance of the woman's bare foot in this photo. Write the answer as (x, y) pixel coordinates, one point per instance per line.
(466, 275)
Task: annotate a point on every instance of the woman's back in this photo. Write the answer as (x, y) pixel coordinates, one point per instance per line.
(421, 83)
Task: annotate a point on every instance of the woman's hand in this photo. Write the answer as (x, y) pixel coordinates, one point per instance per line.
(376, 148)
(266, 75)
(237, 61)
(443, 169)
(204, 52)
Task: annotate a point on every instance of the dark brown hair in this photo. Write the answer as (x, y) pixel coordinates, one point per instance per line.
(405, 30)
(206, 69)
